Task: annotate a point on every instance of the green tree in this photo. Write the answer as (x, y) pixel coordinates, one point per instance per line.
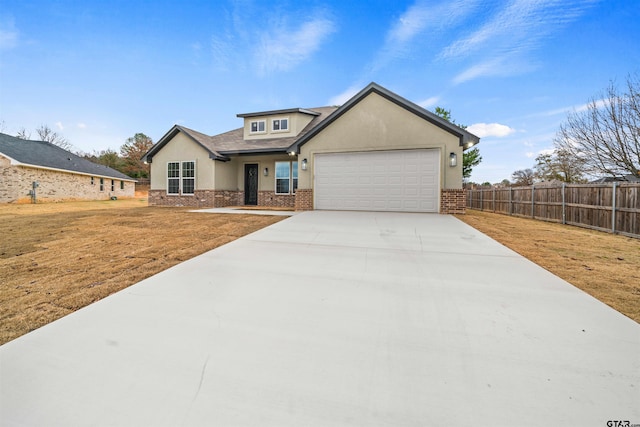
(108, 158)
(132, 152)
(470, 158)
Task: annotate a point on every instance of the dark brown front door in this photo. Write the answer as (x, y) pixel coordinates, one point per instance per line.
(250, 184)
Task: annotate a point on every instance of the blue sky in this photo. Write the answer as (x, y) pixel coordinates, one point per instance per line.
(99, 72)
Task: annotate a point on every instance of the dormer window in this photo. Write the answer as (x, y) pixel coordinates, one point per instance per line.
(258, 126)
(280, 125)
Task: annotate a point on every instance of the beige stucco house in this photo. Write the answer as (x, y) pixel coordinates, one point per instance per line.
(38, 171)
(376, 152)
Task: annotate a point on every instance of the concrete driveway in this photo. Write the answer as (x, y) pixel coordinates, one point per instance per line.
(334, 319)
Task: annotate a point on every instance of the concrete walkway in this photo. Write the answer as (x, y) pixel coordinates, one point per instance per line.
(334, 319)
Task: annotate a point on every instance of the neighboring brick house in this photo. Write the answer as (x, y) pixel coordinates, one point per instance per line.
(376, 152)
(54, 174)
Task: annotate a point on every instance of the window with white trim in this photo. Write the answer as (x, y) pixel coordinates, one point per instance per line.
(188, 177)
(101, 184)
(181, 177)
(113, 185)
(286, 177)
(258, 126)
(173, 178)
(280, 125)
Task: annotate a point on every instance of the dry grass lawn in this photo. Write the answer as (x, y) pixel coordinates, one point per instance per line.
(604, 265)
(59, 257)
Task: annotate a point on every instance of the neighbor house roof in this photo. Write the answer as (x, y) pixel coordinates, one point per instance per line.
(233, 142)
(467, 139)
(44, 155)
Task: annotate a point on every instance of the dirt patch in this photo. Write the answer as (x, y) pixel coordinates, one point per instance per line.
(604, 265)
(59, 257)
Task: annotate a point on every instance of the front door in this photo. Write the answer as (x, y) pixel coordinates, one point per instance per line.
(251, 184)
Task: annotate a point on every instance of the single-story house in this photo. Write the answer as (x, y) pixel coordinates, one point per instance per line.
(378, 152)
(40, 171)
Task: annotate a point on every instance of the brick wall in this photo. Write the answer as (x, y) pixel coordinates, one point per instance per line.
(304, 200)
(200, 199)
(453, 201)
(16, 181)
(270, 198)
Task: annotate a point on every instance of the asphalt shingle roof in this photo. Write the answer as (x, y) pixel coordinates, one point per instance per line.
(46, 155)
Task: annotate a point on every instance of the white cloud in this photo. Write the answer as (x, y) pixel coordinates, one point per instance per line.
(510, 34)
(275, 44)
(345, 96)
(59, 125)
(490, 129)
(8, 35)
(429, 102)
(420, 19)
(81, 126)
(530, 154)
(283, 49)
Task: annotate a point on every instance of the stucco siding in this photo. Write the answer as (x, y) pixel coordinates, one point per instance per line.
(376, 123)
(182, 148)
(297, 122)
(16, 182)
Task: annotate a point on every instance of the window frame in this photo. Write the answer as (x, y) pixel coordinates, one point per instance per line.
(101, 184)
(122, 185)
(172, 178)
(292, 177)
(113, 185)
(279, 121)
(258, 123)
(177, 179)
(191, 177)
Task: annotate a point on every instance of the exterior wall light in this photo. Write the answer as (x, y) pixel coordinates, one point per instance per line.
(453, 160)
(266, 171)
(304, 164)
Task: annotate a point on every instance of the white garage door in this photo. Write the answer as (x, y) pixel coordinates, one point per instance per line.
(402, 180)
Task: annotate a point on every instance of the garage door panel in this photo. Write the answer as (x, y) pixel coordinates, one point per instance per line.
(383, 181)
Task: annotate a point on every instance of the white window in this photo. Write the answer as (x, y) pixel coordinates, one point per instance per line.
(280, 125)
(181, 177)
(113, 185)
(258, 126)
(286, 177)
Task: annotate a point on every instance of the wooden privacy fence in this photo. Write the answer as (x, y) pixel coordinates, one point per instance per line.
(612, 207)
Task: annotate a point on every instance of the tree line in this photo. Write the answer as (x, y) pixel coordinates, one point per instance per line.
(127, 160)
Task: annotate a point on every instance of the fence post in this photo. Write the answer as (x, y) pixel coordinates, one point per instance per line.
(481, 199)
(494, 199)
(613, 207)
(564, 213)
(533, 202)
(510, 201)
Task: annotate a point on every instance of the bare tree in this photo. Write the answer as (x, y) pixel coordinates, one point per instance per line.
(606, 135)
(23, 134)
(560, 165)
(523, 177)
(47, 134)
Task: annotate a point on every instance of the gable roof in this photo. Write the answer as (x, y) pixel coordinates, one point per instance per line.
(44, 155)
(229, 143)
(467, 139)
